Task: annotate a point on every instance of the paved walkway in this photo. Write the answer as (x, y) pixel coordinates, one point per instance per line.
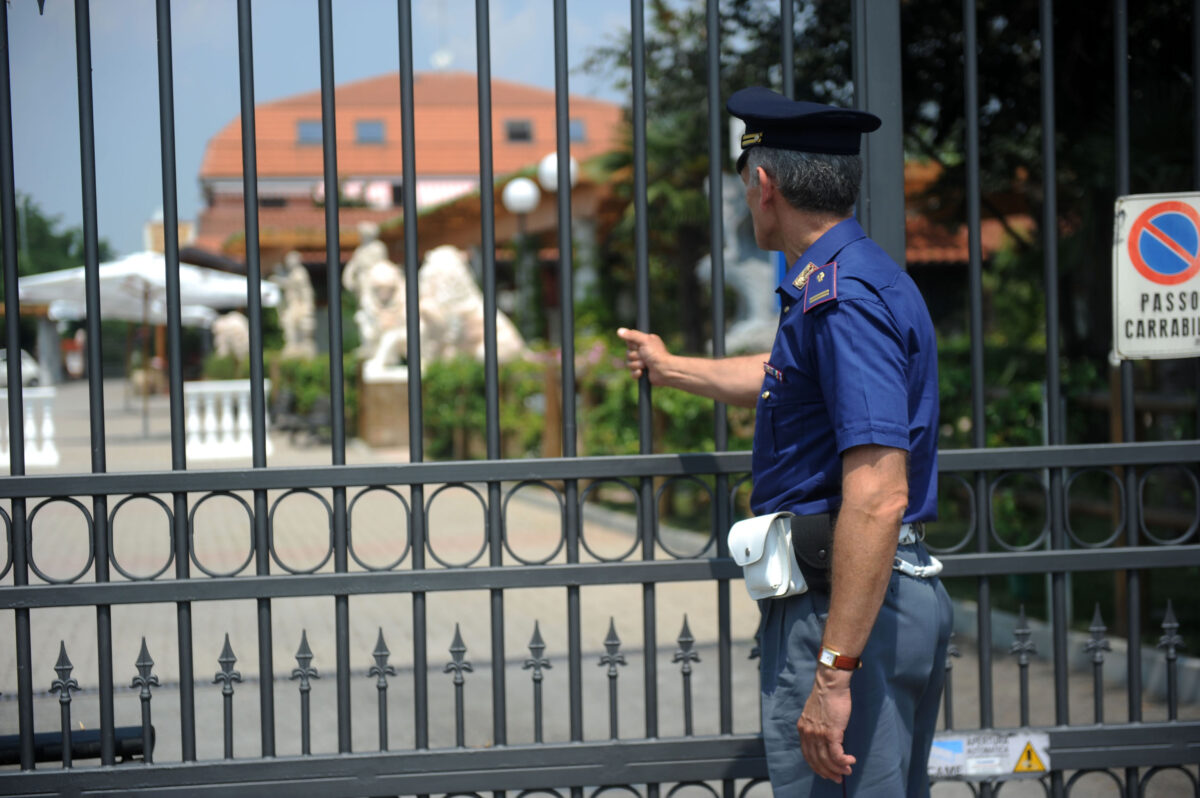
(456, 522)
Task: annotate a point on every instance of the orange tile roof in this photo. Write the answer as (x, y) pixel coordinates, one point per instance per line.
(927, 241)
(446, 129)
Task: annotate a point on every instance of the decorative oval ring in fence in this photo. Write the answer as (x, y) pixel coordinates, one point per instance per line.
(112, 531)
(616, 788)
(1191, 530)
(1116, 533)
(1042, 781)
(684, 784)
(91, 528)
(8, 558)
(1075, 777)
(562, 526)
(1038, 541)
(637, 507)
(1157, 769)
(754, 783)
(429, 537)
(733, 493)
(407, 528)
(542, 791)
(192, 533)
(271, 531)
(972, 521)
(709, 541)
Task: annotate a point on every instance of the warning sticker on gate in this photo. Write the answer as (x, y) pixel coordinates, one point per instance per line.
(977, 756)
(1156, 276)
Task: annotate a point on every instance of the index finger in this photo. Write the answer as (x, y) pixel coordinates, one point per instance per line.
(630, 336)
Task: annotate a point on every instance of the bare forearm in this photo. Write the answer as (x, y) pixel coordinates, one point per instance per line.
(874, 496)
(864, 549)
(732, 380)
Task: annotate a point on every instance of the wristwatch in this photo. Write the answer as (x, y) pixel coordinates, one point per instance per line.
(832, 659)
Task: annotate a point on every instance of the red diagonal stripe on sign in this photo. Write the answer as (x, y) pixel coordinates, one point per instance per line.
(1169, 242)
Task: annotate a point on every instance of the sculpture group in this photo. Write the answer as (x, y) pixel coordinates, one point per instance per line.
(451, 319)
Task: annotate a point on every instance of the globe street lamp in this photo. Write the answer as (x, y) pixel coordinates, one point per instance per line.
(519, 197)
(547, 172)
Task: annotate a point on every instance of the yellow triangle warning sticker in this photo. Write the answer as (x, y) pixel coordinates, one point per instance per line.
(1029, 761)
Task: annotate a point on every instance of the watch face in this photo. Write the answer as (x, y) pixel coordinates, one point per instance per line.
(827, 657)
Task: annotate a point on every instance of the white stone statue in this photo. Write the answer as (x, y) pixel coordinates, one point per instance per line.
(749, 272)
(297, 314)
(378, 285)
(231, 335)
(452, 311)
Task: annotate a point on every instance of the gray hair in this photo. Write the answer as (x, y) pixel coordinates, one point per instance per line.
(810, 181)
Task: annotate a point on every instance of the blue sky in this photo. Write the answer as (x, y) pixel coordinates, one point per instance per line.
(204, 40)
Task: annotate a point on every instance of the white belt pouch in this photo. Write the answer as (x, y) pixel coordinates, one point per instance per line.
(762, 546)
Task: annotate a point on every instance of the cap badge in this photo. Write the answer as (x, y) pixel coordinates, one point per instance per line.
(751, 138)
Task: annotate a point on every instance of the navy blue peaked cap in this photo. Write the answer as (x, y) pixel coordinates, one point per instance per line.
(773, 120)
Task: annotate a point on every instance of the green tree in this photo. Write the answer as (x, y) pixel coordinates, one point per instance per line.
(933, 90)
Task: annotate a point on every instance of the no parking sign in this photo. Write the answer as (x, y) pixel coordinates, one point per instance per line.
(1156, 276)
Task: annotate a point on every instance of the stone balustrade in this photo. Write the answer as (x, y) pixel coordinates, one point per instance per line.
(218, 419)
(40, 448)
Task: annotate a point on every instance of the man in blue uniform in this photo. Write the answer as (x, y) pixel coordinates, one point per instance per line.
(846, 429)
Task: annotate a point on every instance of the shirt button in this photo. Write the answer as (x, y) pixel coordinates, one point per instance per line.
(786, 308)
(766, 395)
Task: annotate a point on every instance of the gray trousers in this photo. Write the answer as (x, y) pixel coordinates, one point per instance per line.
(895, 695)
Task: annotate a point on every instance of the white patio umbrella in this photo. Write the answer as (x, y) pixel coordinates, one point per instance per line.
(152, 312)
(130, 288)
(134, 288)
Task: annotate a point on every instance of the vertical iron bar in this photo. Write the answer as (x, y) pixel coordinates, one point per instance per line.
(16, 420)
(415, 420)
(227, 715)
(487, 199)
(381, 670)
(787, 42)
(645, 408)
(877, 88)
(145, 680)
(337, 390)
(226, 676)
(64, 720)
(612, 658)
(1058, 583)
(566, 281)
(978, 418)
(721, 509)
(1096, 646)
(91, 249)
(1133, 609)
(266, 689)
(183, 609)
(63, 685)
(1170, 642)
(948, 700)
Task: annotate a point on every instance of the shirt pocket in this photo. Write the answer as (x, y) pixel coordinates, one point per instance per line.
(798, 419)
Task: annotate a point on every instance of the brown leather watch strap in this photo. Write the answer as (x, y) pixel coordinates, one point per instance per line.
(838, 661)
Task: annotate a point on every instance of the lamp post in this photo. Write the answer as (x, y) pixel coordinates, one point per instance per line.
(521, 196)
(547, 175)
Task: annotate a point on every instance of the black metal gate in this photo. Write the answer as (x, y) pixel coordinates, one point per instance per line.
(1134, 752)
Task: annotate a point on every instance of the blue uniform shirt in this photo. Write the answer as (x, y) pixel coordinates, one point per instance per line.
(854, 362)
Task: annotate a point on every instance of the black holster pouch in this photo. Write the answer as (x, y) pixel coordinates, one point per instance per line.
(812, 540)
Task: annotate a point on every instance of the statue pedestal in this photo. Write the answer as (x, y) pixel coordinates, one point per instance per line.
(383, 408)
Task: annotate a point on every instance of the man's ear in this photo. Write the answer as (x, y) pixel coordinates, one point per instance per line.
(766, 186)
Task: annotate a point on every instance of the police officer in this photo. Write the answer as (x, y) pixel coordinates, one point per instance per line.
(847, 410)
